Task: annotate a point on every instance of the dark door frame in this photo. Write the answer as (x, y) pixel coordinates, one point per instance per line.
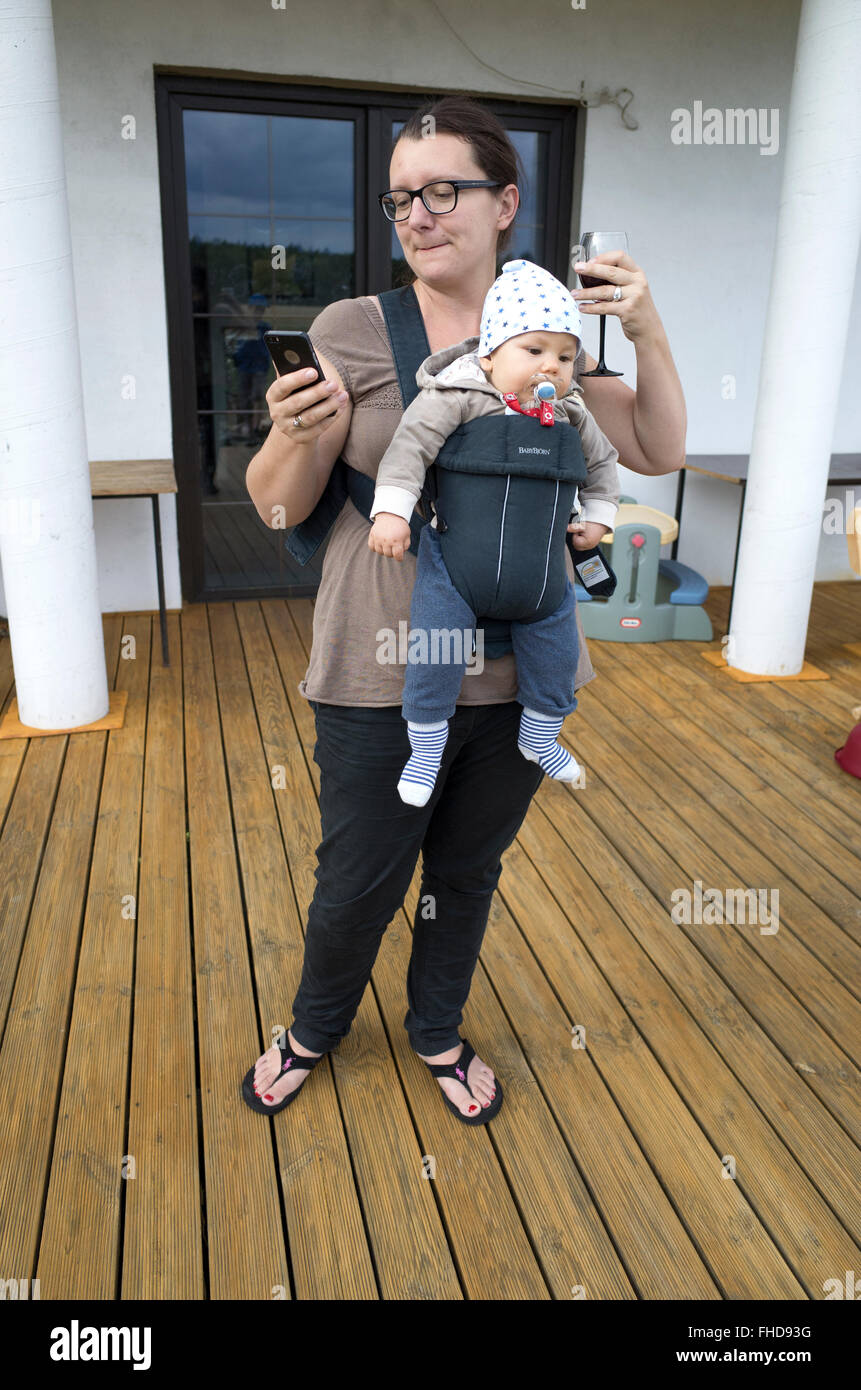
(175, 92)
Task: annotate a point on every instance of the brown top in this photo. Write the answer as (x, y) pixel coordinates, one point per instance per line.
(362, 592)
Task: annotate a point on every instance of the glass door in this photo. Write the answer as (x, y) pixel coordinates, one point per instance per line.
(271, 240)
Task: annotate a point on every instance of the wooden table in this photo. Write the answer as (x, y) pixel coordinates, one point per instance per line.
(733, 468)
(139, 478)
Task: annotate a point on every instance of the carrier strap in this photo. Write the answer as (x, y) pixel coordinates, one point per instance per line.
(409, 343)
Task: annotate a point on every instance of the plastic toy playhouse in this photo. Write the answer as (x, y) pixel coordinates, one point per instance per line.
(655, 600)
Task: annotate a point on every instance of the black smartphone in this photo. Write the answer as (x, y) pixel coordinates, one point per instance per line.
(290, 352)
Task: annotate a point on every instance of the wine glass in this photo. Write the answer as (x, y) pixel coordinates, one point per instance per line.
(595, 244)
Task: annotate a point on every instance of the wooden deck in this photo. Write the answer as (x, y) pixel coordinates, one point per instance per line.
(154, 893)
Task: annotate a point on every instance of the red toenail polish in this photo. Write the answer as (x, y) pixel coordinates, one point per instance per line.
(268, 1097)
(472, 1107)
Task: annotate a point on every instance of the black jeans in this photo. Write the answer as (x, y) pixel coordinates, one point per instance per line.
(370, 845)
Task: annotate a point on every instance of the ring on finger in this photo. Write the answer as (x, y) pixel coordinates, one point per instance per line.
(617, 293)
(296, 422)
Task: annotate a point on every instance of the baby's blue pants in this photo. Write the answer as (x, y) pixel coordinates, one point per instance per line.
(545, 652)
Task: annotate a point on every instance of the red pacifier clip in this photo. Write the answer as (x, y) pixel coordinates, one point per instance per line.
(544, 409)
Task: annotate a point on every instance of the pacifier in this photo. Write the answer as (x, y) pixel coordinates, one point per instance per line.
(545, 391)
(545, 394)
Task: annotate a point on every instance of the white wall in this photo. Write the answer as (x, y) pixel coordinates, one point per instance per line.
(701, 219)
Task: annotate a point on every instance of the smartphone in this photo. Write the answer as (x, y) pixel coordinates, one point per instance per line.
(290, 352)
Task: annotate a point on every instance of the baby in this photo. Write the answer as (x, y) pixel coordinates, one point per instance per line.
(508, 562)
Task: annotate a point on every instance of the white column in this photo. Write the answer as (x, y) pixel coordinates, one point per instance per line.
(47, 543)
(816, 254)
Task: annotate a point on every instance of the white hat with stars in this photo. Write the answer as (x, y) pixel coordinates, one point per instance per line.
(522, 299)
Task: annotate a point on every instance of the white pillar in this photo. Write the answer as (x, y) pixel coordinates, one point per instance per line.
(47, 543)
(816, 253)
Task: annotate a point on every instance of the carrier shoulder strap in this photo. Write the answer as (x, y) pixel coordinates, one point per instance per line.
(408, 337)
(409, 344)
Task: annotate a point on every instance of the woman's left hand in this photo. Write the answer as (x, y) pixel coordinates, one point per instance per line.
(635, 310)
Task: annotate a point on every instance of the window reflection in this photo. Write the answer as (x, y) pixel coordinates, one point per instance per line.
(271, 228)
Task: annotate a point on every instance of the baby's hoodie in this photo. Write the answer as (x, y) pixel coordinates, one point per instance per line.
(454, 389)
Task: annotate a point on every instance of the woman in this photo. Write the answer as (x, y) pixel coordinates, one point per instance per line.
(371, 839)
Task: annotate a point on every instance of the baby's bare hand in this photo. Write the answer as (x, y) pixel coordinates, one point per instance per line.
(586, 534)
(390, 535)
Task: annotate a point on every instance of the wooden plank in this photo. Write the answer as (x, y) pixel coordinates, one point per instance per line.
(802, 842)
(12, 754)
(30, 772)
(718, 1216)
(713, 473)
(80, 1242)
(675, 758)
(778, 1211)
(114, 477)
(762, 759)
(734, 467)
(790, 746)
(56, 836)
(667, 856)
(162, 1237)
(830, 701)
(247, 1258)
(407, 1242)
(556, 1100)
(602, 1169)
(276, 836)
(485, 1229)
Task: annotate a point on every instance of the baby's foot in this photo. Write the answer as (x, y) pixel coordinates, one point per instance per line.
(271, 1084)
(537, 742)
(418, 778)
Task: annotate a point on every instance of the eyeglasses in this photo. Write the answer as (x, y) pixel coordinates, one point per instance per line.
(437, 197)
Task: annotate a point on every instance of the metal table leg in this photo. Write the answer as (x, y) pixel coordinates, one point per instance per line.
(680, 493)
(158, 562)
(737, 543)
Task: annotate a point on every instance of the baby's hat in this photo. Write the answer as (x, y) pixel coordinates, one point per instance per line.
(525, 297)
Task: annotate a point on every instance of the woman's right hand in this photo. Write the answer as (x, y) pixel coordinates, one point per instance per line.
(291, 395)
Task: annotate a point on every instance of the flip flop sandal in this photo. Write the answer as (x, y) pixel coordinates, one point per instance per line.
(458, 1072)
(288, 1059)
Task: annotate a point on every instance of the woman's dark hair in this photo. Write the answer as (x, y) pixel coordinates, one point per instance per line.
(492, 149)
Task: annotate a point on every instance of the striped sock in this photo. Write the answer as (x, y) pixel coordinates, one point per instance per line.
(418, 778)
(537, 742)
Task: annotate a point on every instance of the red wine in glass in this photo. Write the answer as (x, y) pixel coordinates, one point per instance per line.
(595, 244)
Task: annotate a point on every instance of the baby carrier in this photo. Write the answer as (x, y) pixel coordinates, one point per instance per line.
(502, 551)
(505, 489)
